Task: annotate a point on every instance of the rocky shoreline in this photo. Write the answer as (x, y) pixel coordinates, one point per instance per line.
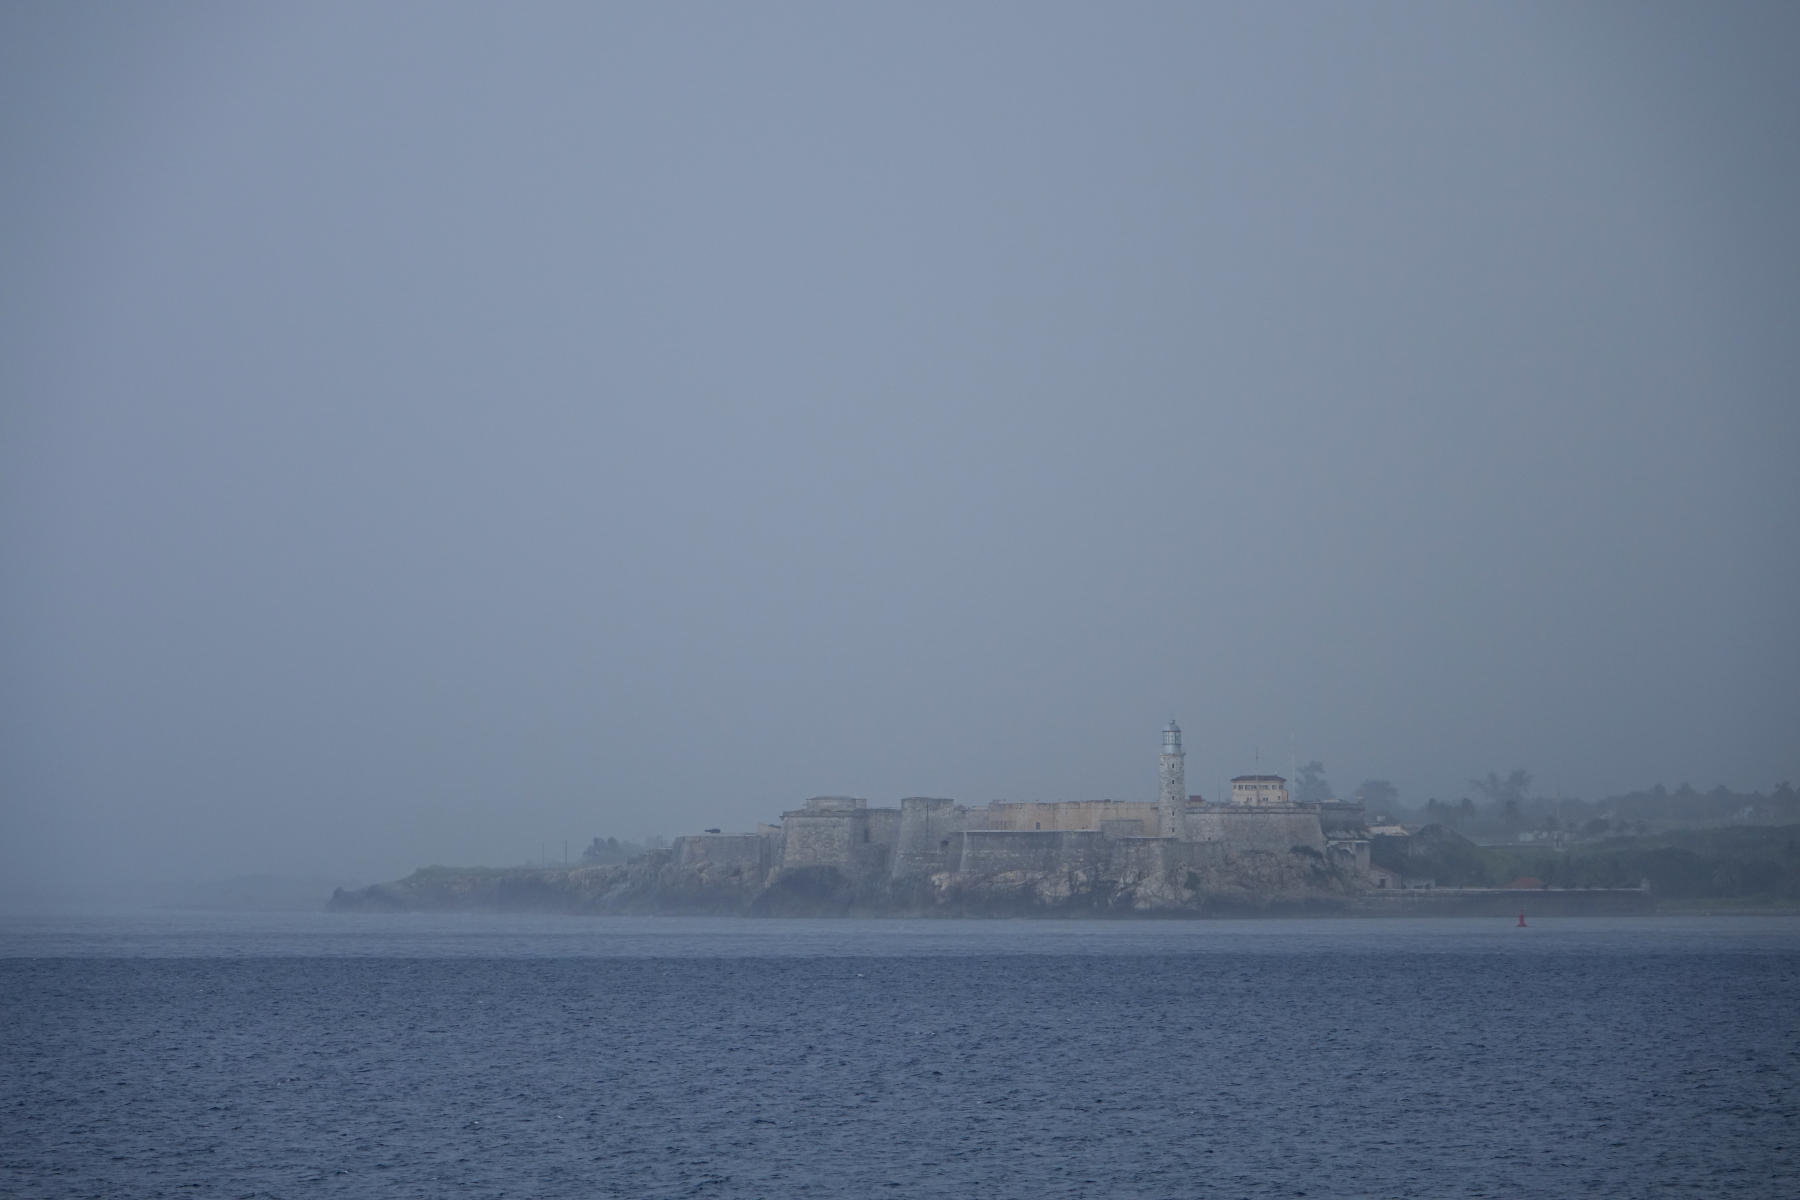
(1251, 883)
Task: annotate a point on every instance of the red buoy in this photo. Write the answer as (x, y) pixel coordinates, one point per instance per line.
(1521, 920)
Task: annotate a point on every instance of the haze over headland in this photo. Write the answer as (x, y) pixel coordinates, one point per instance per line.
(432, 432)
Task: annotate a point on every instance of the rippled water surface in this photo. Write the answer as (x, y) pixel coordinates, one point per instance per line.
(316, 1055)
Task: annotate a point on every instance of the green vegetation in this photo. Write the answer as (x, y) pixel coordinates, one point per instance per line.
(1504, 806)
(613, 850)
(1753, 863)
(1310, 784)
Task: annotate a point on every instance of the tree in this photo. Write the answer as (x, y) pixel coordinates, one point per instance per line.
(1310, 785)
(1378, 795)
(605, 850)
(1508, 794)
(609, 850)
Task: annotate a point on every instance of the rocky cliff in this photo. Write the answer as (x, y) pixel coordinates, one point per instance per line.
(1249, 882)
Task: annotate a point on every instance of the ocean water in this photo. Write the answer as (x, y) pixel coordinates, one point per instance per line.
(185, 1054)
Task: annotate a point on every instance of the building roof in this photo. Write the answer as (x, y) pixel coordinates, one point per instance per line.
(1257, 779)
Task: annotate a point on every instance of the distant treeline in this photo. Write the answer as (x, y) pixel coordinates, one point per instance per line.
(1511, 809)
(1744, 863)
(1501, 805)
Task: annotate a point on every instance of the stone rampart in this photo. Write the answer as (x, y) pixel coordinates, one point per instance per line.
(1199, 856)
(1068, 815)
(880, 826)
(835, 803)
(871, 861)
(1259, 828)
(992, 851)
(924, 834)
(811, 838)
(1341, 816)
(749, 851)
(839, 836)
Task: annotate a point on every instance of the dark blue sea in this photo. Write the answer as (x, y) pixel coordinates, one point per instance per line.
(190, 1054)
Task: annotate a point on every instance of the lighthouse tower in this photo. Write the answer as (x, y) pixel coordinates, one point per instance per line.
(1172, 801)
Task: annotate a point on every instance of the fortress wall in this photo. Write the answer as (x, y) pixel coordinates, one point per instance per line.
(871, 861)
(773, 837)
(857, 841)
(1341, 815)
(926, 835)
(721, 849)
(1244, 828)
(1064, 815)
(991, 851)
(883, 825)
(815, 839)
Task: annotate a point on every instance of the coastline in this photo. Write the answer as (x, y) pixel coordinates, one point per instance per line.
(638, 890)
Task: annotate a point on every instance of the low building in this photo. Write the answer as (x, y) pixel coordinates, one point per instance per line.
(1259, 791)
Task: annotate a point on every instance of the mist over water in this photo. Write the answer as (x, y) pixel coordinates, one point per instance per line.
(434, 435)
(446, 434)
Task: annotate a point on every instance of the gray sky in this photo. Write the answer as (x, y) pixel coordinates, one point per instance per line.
(432, 430)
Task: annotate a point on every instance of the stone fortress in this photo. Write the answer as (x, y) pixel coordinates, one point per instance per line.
(934, 841)
(1257, 853)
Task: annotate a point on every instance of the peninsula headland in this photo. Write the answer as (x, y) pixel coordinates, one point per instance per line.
(1256, 853)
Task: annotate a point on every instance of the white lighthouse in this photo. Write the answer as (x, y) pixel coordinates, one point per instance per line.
(1172, 801)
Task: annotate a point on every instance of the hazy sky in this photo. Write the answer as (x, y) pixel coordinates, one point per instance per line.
(432, 431)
